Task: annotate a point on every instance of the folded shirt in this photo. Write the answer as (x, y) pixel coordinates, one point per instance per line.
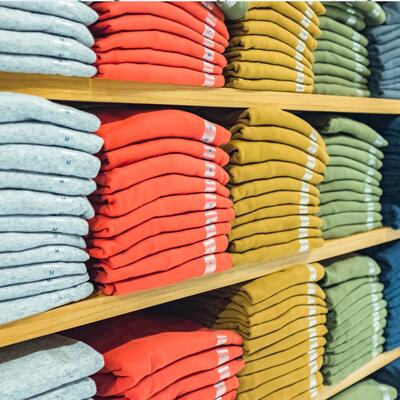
(358, 167)
(333, 25)
(355, 154)
(340, 173)
(355, 21)
(337, 49)
(267, 84)
(226, 390)
(369, 390)
(27, 202)
(346, 218)
(355, 186)
(16, 107)
(149, 22)
(349, 141)
(116, 127)
(46, 364)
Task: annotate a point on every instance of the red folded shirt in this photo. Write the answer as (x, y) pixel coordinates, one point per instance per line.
(103, 248)
(200, 380)
(163, 261)
(124, 126)
(145, 22)
(156, 40)
(197, 10)
(171, 205)
(203, 361)
(212, 263)
(214, 9)
(137, 345)
(165, 10)
(152, 148)
(129, 175)
(157, 58)
(225, 390)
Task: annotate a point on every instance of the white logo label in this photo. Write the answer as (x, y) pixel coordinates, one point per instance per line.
(210, 131)
(210, 264)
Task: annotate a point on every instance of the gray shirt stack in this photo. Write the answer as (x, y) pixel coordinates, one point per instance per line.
(47, 168)
(47, 37)
(49, 368)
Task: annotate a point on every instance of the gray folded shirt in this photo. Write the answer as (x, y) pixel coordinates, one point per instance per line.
(48, 159)
(17, 107)
(26, 21)
(37, 366)
(51, 223)
(72, 10)
(43, 254)
(45, 44)
(49, 135)
(13, 310)
(27, 202)
(58, 184)
(39, 272)
(18, 241)
(78, 390)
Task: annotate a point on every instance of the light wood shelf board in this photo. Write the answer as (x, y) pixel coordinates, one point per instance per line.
(109, 91)
(366, 370)
(99, 307)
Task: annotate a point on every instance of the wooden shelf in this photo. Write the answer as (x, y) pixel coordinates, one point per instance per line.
(102, 90)
(99, 307)
(366, 370)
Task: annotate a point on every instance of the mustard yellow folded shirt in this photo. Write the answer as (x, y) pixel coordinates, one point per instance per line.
(267, 85)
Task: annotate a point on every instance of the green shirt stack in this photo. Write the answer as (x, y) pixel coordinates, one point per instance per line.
(356, 315)
(350, 193)
(276, 161)
(341, 59)
(368, 390)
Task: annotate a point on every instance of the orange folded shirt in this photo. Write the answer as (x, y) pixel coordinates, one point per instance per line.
(225, 390)
(127, 200)
(157, 58)
(199, 381)
(210, 264)
(163, 261)
(140, 151)
(146, 22)
(129, 175)
(107, 247)
(197, 10)
(158, 74)
(137, 345)
(203, 361)
(124, 126)
(214, 9)
(156, 40)
(165, 10)
(171, 205)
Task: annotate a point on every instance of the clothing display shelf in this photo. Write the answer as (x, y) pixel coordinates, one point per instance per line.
(103, 90)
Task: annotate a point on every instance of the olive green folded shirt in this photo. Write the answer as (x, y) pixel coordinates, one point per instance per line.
(335, 59)
(361, 156)
(373, 11)
(339, 205)
(335, 80)
(322, 68)
(339, 90)
(332, 25)
(338, 161)
(325, 45)
(347, 196)
(348, 218)
(268, 85)
(334, 173)
(349, 19)
(349, 141)
(346, 43)
(348, 230)
(354, 186)
(368, 390)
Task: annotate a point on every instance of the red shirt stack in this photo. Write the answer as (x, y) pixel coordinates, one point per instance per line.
(153, 357)
(162, 206)
(165, 42)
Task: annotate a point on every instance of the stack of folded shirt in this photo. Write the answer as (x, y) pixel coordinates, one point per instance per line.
(341, 60)
(389, 375)
(46, 37)
(46, 166)
(369, 389)
(281, 318)
(163, 358)
(48, 368)
(384, 54)
(165, 42)
(350, 192)
(272, 47)
(356, 317)
(276, 160)
(163, 211)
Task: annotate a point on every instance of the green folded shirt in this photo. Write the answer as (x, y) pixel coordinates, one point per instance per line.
(349, 19)
(341, 50)
(340, 205)
(335, 59)
(368, 390)
(347, 195)
(354, 186)
(355, 165)
(348, 230)
(329, 24)
(338, 90)
(338, 173)
(335, 80)
(321, 68)
(349, 141)
(344, 42)
(338, 150)
(374, 13)
(342, 219)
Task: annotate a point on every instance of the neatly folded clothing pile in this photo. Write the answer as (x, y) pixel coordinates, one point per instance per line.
(163, 210)
(165, 42)
(272, 47)
(276, 160)
(369, 389)
(46, 37)
(350, 192)
(390, 376)
(388, 259)
(51, 367)
(281, 318)
(356, 317)
(46, 171)
(384, 54)
(341, 60)
(164, 358)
